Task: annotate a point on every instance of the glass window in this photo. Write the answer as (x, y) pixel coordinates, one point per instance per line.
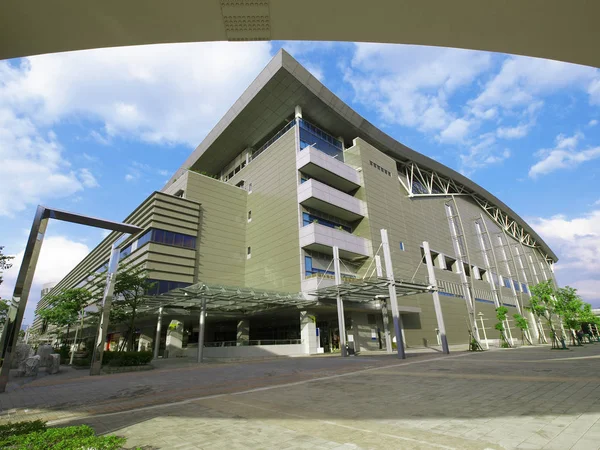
(178, 239)
(516, 285)
(158, 236)
(308, 269)
(189, 241)
(402, 246)
(524, 288)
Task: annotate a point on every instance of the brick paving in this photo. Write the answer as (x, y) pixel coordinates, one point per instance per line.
(528, 398)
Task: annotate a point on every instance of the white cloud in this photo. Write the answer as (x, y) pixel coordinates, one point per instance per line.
(131, 176)
(33, 168)
(455, 132)
(411, 85)
(58, 256)
(168, 94)
(577, 243)
(87, 179)
(564, 156)
(592, 123)
(516, 132)
(522, 80)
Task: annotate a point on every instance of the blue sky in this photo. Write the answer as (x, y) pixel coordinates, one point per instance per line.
(97, 131)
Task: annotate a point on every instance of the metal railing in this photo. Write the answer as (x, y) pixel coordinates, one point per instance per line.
(253, 342)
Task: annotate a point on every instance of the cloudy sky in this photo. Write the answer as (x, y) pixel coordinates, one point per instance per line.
(97, 131)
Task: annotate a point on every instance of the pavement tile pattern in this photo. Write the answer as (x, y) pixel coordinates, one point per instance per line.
(526, 398)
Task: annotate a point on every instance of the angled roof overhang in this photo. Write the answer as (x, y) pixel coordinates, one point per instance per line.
(268, 104)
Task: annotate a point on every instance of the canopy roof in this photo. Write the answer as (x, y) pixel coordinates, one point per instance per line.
(243, 300)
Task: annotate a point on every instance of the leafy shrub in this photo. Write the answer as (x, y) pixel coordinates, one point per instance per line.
(64, 354)
(119, 359)
(82, 362)
(68, 438)
(10, 430)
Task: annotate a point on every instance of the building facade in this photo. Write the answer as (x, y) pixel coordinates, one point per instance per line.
(289, 173)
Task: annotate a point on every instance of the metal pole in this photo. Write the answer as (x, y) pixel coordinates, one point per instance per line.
(10, 332)
(106, 306)
(384, 310)
(201, 329)
(75, 340)
(387, 257)
(487, 345)
(157, 338)
(436, 298)
(340, 301)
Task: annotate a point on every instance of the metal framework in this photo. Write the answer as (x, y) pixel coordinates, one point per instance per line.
(421, 182)
(25, 277)
(225, 299)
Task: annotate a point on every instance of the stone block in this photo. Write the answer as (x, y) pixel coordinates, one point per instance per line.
(22, 352)
(53, 363)
(43, 352)
(29, 367)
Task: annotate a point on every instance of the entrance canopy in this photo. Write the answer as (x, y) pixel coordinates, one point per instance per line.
(243, 300)
(367, 289)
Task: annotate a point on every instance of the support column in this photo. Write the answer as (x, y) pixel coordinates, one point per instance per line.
(308, 333)
(111, 277)
(298, 112)
(157, 338)
(201, 330)
(436, 299)
(340, 301)
(243, 332)
(387, 257)
(487, 345)
(14, 318)
(384, 309)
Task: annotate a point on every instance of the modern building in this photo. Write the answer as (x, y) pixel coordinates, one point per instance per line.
(289, 177)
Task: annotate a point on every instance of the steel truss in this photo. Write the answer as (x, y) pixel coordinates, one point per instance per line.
(421, 182)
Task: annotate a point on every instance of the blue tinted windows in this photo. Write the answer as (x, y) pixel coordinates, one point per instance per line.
(162, 286)
(161, 237)
(313, 136)
(307, 219)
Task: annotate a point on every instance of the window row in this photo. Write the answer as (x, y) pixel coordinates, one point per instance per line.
(308, 218)
(381, 169)
(310, 270)
(162, 286)
(311, 136)
(160, 237)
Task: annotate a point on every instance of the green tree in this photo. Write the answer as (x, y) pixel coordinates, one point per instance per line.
(501, 313)
(130, 294)
(3, 312)
(65, 308)
(569, 307)
(543, 304)
(4, 262)
(523, 325)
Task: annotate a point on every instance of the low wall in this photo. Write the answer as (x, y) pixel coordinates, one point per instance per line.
(254, 351)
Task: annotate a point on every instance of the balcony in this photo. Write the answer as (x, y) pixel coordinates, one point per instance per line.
(321, 166)
(322, 239)
(316, 195)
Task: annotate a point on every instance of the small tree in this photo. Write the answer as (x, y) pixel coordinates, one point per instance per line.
(64, 309)
(523, 325)
(569, 306)
(130, 294)
(543, 304)
(4, 262)
(3, 312)
(501, 313)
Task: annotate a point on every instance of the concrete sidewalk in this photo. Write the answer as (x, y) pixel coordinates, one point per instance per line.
(525, 398)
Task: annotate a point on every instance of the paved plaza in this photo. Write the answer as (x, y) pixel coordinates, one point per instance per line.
(527, 398)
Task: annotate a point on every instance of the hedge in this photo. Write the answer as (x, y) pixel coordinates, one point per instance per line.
(68, 438)
(119, 359)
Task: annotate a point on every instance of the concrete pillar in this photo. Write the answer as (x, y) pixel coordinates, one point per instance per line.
(157, 338)
(389, 271)
(340, 302)
(436, 299)
(308, 333)
(243, 332)
(298, 112)
(386, 326)
(201, 330)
